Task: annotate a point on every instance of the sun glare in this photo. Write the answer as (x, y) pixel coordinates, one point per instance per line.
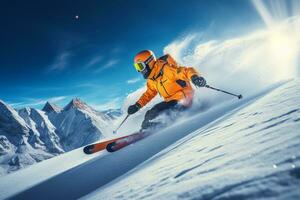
(283, 33)
(282, 45)
(283, 52)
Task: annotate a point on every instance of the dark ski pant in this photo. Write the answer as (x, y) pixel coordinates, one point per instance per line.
(162, 107)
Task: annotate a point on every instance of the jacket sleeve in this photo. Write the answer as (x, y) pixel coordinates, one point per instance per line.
(148, 95)
(185, 73)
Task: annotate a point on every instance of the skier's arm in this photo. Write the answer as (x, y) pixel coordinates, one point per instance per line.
(148, 95)
(190, 74)
(186, 73)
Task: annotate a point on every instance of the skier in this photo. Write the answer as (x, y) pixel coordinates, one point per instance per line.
(171, 81)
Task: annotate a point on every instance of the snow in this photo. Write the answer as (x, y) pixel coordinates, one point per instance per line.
(43, 129)
(202, 140)
(36, 174)
(252, 152)
(10, 121)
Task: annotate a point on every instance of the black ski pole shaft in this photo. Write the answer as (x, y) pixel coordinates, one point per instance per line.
(239, 96)
(121, 124)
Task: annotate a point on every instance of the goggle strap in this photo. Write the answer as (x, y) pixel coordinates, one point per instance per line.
(149, 59)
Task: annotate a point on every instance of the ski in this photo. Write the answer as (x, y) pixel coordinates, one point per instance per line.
(123, 142)
(93, 148)
(114, 144)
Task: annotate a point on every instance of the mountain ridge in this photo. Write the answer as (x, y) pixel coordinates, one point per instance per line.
(30, 135)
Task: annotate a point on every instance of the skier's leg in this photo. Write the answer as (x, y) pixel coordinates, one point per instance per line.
(176, 111)
(156, 111)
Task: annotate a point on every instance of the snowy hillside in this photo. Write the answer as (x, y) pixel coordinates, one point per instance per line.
(254, 152)
(29, 135)
(239, 150)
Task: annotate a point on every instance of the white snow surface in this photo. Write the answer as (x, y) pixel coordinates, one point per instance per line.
(241, 149)
(24, 179)
(252, 152)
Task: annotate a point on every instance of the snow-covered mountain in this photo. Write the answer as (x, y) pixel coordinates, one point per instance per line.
(29, 135)
(78, 124)
(44, 136)
(12, 125)
(20, 144)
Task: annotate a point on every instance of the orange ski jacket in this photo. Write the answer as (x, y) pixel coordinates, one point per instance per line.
(171, 82)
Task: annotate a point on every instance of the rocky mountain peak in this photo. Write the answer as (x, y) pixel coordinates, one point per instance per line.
(50, 107)
(76, 103)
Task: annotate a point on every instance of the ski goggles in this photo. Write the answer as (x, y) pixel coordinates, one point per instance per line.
(140, 66)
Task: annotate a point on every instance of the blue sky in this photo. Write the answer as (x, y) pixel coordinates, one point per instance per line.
(57, 50)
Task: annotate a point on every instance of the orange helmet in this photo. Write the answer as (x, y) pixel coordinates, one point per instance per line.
(144, 56)
(143, 62)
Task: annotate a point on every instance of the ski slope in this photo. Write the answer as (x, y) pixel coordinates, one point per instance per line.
(244, 148)
(250, 153)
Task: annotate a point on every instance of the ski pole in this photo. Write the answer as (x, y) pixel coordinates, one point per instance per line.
(121, 124)
(239, 96)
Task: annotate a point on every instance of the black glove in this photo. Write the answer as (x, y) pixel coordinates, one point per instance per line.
(198, 81)
(133, 108)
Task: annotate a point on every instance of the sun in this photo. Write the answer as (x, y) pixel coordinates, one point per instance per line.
(282, 44)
